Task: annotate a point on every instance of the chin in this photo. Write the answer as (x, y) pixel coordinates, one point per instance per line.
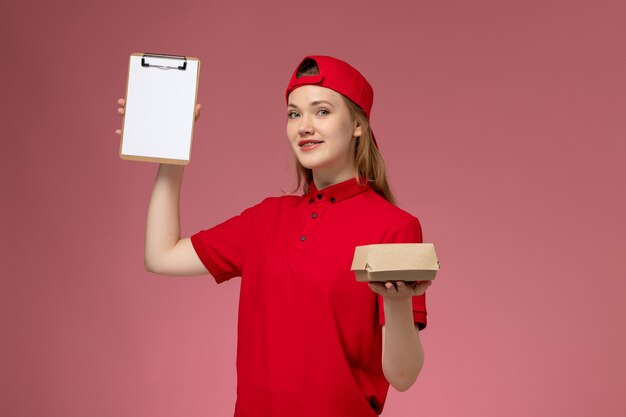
(308, 161)
(312, 163)
(308, 164)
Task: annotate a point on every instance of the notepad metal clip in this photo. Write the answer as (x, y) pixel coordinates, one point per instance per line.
(167, 62)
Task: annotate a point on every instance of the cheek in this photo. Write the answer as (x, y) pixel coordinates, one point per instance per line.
(290, 130)
(346, 130)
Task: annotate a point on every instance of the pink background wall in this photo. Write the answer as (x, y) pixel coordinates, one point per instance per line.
(503, 126)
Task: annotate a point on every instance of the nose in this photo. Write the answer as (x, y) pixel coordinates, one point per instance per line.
(305, 128)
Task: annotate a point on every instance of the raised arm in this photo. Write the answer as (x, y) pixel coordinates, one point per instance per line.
(165, 252)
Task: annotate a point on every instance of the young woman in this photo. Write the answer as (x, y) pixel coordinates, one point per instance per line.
(312, 341)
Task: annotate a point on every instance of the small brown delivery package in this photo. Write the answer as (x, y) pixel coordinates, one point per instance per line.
(395, 262)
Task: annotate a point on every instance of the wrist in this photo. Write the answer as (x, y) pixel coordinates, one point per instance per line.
(399, 303)
(171, 170)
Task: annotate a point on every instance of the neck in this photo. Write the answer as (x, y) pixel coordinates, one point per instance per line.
(323, 179)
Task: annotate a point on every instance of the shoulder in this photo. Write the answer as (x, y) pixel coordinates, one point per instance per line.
(273, 204)
(386, 223)
(392, 214)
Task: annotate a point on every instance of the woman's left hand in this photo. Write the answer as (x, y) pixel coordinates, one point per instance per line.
(399, 289)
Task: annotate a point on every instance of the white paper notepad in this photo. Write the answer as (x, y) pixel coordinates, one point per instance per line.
(159, 114)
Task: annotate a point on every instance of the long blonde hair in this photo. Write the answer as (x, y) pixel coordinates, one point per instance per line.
(367, 159)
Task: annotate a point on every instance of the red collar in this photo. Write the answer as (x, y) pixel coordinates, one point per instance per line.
(337, 192)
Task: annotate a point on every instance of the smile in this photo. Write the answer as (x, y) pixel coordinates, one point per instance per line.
(309, 143)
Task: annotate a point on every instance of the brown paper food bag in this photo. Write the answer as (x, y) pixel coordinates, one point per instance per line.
(395, 262)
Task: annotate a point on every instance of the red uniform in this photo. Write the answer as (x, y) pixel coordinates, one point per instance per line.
(309, 335)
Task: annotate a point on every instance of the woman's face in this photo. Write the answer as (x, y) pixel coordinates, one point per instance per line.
(321, 129)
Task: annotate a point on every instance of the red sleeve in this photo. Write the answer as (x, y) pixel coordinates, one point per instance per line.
(410, 233)
(222, 248)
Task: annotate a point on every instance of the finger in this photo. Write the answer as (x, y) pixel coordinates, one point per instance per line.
(120, 110)
(378, 288)
(121, 101)
(422, 287)
(197, 112)
(118, 131)
(409, 287)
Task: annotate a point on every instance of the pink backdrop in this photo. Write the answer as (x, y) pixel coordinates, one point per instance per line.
(503, 126)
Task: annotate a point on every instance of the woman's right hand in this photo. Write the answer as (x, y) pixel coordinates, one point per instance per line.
(122, 104)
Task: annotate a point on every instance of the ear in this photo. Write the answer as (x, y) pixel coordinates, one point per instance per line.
(358, 129)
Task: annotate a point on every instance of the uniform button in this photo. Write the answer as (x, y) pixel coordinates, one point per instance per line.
(314, 215)
(332, 199)
(319, 196)
(303, 238)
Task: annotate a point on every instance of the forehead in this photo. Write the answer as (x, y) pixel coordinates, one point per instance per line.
(307, 94)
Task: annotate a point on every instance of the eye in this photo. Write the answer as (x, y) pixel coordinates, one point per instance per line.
(323, 112)
(292, 114)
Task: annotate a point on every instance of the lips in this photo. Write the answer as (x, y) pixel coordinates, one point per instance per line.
(309, 141)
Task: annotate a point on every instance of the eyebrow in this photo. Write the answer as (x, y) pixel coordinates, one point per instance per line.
(313, 103)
